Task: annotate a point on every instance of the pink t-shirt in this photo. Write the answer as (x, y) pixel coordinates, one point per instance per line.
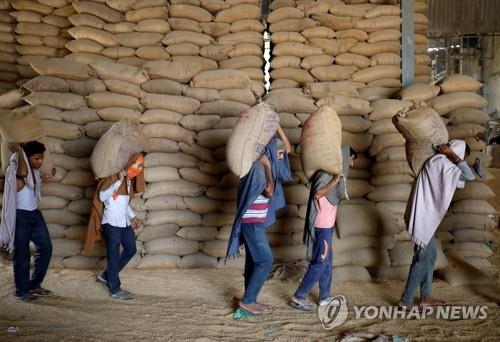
(327, 213)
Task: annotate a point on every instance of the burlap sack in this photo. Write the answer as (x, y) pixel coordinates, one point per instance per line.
(320, 142)
(251, 134)
(21, 125)
(116, 146)
(422, 128)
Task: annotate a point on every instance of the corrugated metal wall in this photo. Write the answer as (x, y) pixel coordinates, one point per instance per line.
(464, 16)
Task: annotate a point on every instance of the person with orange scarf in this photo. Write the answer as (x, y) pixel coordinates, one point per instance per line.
(112, 217)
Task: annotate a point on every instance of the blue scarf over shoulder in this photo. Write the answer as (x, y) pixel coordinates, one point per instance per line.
(252, 185)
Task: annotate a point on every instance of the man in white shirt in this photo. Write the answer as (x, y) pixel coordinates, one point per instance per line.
(30, 225)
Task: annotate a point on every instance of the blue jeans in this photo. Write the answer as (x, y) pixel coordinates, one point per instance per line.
(116, 236)
(421, 272)
(258, 260)
(320, 267)
(30, 226)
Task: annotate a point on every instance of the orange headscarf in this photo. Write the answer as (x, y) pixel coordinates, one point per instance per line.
(137, 185)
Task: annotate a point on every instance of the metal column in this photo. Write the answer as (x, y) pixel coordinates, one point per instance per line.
(407, 42)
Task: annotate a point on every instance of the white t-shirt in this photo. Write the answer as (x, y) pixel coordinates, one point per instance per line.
(117, 212)
(26, 199)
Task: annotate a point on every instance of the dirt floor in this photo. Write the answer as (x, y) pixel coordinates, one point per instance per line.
(197, 305)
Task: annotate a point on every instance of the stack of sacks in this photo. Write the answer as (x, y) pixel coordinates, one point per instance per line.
(471, 215)
(76, 108)
(224, 41)
(125, 31)
(174, 180)
(41, 32)
(330, 41)
(8, 53)
(382, 25)
(423, 70)
(213, 122)
(234, 36)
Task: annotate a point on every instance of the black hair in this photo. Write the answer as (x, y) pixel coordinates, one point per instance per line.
(352, 153)
(467, 150)
(33, 147)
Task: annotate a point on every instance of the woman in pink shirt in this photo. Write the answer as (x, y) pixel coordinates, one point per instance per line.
(326, 192)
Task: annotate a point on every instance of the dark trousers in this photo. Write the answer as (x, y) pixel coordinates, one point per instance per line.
(258, 260)
(116, 237)
(421, 272)
(30, 226)
(320, 267)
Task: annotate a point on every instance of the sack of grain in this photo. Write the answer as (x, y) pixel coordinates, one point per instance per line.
(221, 79)
(468, 115)
(178, 71)
(422, 128)
(387, 108)
(118, 71)
(63, 68)
(114, 149)
(419, 92)
(252, 133)
(460, 273)
(443, 104)
(344, 105)
(65, 101)
(321, 141)
(21, 125)
(457, 82)
(289, 102)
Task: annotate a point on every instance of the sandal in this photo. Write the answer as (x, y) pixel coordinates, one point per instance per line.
(408, 307)
(429, 301)
(40, 292)
(302, 304)
(256, 309)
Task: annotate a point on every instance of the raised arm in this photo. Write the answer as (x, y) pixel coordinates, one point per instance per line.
(467, 173)
(329, 187)
(269, 189)
(285, 139)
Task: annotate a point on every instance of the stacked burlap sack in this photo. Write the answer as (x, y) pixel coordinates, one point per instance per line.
(221, 42)
(41, 32)
(126, 31)
(423, 69)
(205, 32)
(467, 226)
(8, 53)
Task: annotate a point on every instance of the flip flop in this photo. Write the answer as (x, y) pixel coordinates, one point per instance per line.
(267, 307)
(242, 314)
(431, 302)
(303, 305)
(407, 307)
(256, 309)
